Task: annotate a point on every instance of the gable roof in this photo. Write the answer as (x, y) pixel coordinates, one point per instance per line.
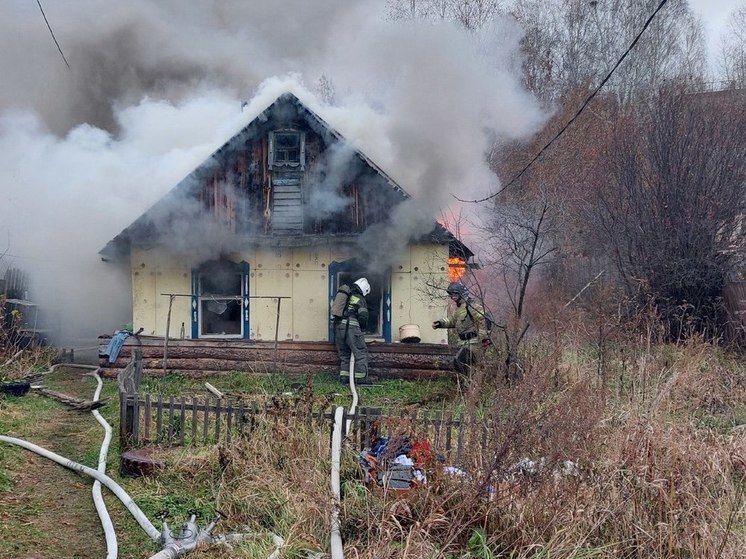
(287, 107)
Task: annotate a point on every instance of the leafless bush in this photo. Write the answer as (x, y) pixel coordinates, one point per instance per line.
(559, 465)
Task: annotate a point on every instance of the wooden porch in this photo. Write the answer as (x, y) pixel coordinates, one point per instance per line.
(206, 357)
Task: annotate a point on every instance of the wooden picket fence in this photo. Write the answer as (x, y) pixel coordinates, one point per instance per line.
(192, 421)
(170, 421)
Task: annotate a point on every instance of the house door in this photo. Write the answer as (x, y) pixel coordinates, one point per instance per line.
(220, 300)
(378, 300)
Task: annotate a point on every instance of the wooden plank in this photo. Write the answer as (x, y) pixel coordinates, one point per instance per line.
(217, 420)
(206, 419)
(194, 420)
(228, 421)
(449, 433)
(182, 419)
(136, 420)
(148, 417)
(460, 441)
(406, 365)
(170, 419)
(240, 418)
(122, 420)
(159, 419)
(438, 429)
(153, 346)
(197, 358)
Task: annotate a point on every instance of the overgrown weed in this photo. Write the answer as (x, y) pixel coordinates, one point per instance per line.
(567, 463)
(639, 454)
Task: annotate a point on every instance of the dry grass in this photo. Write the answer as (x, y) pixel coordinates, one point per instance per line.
(656, 433)
(659, 447)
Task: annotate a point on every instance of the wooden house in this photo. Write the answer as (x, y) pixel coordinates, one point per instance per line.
(251, 246)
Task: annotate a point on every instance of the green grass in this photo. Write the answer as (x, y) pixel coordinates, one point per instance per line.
(327, 390)
(645, 464)
(14, 422)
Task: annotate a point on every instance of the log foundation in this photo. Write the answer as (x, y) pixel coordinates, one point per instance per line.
(201, 358)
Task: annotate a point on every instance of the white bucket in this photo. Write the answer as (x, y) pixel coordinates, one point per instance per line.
(409, 333)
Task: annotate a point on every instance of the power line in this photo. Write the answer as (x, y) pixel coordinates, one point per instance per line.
(52, 33)
(577, 114)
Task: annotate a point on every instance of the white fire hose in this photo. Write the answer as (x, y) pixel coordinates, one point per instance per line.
(176, 543)
(110, 535)
(336, 538)
(112, 485)
(354, 394)
(337, 549)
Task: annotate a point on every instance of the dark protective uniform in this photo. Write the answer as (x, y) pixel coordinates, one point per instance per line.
(468, 320)
(349, 337)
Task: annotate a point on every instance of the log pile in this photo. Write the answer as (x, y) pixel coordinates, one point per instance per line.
(200, 358)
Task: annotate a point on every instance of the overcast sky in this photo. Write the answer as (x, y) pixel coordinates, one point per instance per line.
(715, 15)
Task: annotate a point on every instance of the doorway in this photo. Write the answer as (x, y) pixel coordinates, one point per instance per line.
(378, 300)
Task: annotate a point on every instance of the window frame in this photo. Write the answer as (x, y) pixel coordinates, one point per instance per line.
(295, 164)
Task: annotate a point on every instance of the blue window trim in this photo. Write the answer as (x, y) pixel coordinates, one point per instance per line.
(195, 303)
(245, 301)
(334, 269)
(387, 309)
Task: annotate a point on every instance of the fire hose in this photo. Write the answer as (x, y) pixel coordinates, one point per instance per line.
(337, 549)
(105, 480)
(336, 538)
(175, 543)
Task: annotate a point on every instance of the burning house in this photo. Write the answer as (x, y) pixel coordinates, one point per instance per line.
(249, 249)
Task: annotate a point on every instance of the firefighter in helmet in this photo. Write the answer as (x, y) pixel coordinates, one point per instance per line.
(348, 332)
(471, 323)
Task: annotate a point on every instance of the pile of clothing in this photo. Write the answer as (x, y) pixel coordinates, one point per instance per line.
(396, 463)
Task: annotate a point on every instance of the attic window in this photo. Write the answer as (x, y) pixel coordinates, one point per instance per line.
(286, 149)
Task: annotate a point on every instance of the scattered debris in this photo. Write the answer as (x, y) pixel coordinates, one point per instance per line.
(77, 404)
(399, 464)
(214, 390)
(15, 388)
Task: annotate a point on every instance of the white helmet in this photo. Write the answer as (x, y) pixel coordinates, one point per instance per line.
(364, 286)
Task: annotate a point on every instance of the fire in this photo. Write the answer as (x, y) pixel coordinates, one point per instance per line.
(456, 268)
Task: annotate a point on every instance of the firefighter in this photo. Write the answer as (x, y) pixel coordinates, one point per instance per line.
(348, 332)
(471, 324)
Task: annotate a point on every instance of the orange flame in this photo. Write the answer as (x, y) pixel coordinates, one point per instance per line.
(456, 268)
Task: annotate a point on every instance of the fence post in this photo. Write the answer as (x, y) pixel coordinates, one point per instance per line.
(129, 383)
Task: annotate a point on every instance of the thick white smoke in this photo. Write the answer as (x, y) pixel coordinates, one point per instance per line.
(154, 87)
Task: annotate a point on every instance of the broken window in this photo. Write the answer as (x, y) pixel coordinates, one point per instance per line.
(220, 299)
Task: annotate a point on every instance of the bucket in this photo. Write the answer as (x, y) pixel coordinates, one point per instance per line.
(409, 333)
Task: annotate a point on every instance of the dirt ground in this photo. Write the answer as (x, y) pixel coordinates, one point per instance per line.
(46, 510)
(51, 504)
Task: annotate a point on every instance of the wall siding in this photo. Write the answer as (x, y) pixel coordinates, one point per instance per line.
(301, 274)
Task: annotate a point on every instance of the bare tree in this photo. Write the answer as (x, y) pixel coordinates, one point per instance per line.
(575, 43)
(672, 209)
(520, 237)
(732, 56)
(470, 14)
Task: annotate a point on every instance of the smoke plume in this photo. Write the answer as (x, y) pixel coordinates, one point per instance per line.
(153, 88)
